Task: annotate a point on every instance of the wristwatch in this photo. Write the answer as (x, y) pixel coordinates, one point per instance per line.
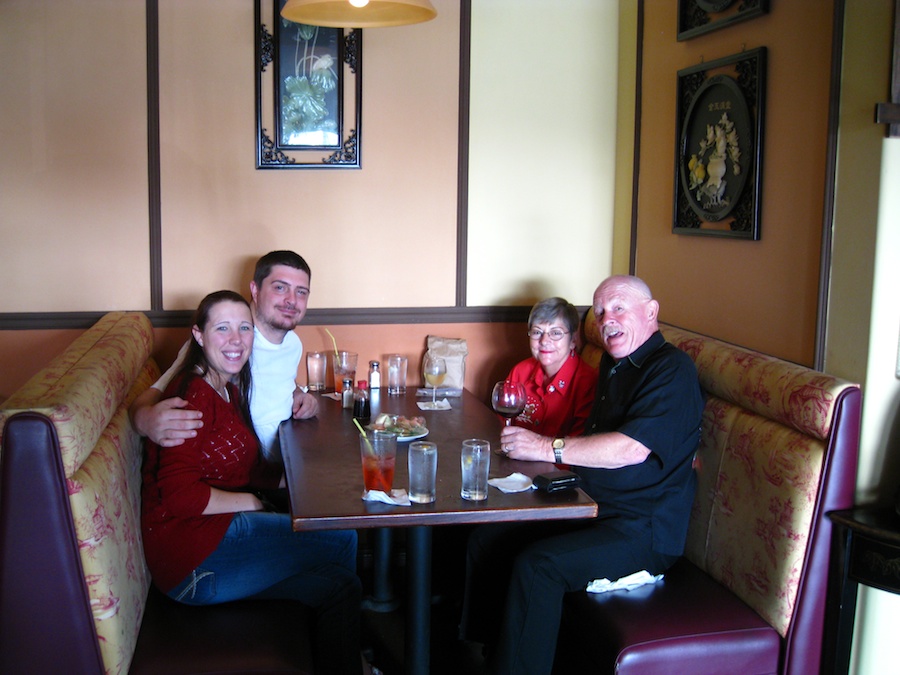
(558, 445)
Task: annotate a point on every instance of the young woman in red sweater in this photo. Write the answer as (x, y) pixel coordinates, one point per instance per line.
(208, 537)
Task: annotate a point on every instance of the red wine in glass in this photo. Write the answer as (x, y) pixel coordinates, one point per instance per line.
(508, 399)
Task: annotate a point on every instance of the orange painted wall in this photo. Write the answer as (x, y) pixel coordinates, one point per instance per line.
(760, 294)
(493, 349)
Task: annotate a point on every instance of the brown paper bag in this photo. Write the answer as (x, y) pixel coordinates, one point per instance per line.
(454, 352)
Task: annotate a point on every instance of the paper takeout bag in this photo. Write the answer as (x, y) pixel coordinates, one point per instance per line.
(454, 352)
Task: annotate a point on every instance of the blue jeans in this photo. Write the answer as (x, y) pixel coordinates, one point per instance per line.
(261, 556)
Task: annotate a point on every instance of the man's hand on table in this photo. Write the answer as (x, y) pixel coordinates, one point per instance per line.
(305, 405)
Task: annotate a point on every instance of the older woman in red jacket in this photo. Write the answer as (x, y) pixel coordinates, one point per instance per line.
(559, 384)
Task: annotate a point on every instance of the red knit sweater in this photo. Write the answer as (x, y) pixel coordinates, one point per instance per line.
(177, 481)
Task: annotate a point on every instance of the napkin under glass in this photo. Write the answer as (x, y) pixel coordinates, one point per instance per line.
(398, 497)
(451, 392)
(514, 482)
(626, 583)
(443, 404)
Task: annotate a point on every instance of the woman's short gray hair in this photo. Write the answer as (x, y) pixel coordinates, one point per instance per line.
(551, 309)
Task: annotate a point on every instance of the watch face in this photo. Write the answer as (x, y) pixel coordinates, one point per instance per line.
(558, 444)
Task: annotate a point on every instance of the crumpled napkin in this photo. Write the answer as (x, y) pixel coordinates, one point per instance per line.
(626, 583)
(443, 404)
(514, 482)
(398, 497)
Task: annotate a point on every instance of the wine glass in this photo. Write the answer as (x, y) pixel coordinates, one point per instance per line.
(434, 369)
(508, 399)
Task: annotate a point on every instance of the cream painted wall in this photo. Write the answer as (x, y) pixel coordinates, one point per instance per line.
(864, 315)
(542, 149)
(362, 231)
(73, 171)
(876, 648)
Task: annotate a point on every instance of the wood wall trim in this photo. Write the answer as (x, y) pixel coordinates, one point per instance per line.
(314, 317)
(462, 171)
(154, 190)
(834, 119)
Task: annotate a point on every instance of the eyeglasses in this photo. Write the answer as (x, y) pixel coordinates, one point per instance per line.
(555, 334)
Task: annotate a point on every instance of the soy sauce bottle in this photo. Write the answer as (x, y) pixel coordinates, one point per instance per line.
(361, 409)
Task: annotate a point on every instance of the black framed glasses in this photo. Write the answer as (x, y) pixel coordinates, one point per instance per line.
(555, 334)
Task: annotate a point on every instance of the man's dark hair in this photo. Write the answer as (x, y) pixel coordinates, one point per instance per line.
(288, 258)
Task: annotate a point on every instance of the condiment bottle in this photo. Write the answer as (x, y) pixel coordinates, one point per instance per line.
(374, 375)
(361, 409)
(347, 394)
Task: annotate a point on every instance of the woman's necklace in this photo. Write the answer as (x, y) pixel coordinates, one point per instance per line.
(223, 391)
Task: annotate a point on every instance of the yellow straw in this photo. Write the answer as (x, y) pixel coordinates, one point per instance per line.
(363, 434)
(333, 341)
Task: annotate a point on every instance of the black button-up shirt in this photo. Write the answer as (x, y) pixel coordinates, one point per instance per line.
(653, 396)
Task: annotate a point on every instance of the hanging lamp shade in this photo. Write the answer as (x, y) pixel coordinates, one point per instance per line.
(358, 13)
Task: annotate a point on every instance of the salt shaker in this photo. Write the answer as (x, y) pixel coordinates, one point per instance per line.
(374, 375)
(347, 393)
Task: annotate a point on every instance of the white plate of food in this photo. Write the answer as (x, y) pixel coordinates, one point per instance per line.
(406, 428)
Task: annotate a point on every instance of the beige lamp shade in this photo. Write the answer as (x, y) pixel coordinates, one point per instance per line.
(372, 14)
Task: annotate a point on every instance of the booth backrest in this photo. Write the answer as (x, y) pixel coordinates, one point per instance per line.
(67, 602)
(757, 524)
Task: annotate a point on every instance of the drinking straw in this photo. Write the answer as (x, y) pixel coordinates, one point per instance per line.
(333, 341)
(363, 434)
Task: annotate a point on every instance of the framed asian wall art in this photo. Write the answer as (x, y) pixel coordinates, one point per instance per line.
(718, 146)
(696, 17)
(308, 93)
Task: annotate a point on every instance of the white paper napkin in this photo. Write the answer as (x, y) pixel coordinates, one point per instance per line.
(443, 391)
(514, 482)
(335, 395)
(443, 404)
(398, 497)
(627, 583)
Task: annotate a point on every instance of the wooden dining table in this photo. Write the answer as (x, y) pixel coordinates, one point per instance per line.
(325, 482)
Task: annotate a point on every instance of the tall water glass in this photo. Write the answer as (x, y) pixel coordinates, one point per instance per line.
(422, 463)
(475, 461)
(315, 370)
(396, 374)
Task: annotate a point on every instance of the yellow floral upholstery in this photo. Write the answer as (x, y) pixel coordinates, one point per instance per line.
(758, 467)
(86, 392)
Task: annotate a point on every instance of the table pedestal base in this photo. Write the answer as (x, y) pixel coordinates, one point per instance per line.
(418, 613)
(383, 598)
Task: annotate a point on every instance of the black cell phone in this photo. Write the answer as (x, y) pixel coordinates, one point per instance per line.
(555, 481)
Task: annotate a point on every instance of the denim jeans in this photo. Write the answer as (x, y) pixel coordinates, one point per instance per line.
(261, 556)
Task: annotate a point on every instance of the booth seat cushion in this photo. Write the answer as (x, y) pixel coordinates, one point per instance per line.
(81, 388)
(86, 392)
(641, 635)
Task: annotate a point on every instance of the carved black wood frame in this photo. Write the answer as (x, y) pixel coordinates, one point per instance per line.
(741, 79)
(272, 154)
(696, 17)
